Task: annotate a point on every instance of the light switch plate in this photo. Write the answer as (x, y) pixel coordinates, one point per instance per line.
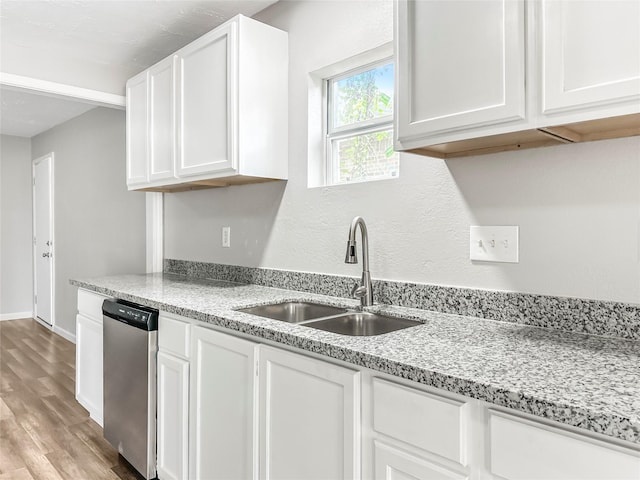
(494, 243)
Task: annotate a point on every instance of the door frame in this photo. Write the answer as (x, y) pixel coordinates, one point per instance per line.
(34, 162)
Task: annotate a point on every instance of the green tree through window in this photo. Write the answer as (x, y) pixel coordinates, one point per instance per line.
(360, 126)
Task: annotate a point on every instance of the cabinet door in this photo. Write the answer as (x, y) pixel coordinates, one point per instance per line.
(89, 366)
(137, 133)
(309, 418)
(207, 103)
(460, 66)
(161, 133)
(591, 55)
(173, 418)
(394, 464)
(223, 381)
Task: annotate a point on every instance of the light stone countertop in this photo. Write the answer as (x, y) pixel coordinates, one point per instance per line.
(586, 381)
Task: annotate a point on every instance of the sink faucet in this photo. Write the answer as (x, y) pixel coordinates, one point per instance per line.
(364, 291)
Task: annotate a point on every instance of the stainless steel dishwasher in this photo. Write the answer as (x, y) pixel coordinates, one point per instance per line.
(130, 345)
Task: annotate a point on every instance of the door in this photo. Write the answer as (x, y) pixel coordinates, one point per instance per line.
(137, 130)
(161, 132)
(43, 238)
(591, 55)
(89, 386)
(394, 464)
(173, 417)
(460, 67)
(222, 417)
(207, 103)
(309, 418)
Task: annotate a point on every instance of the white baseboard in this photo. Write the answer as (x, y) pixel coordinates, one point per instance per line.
(15, 316)
(65, 334)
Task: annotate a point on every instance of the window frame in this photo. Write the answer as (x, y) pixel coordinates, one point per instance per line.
(333, 134)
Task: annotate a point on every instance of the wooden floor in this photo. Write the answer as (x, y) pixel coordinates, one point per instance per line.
(44, 432)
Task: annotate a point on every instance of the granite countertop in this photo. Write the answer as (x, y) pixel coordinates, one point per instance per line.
(586, 381)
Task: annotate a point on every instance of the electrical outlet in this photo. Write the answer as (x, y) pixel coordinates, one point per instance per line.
(494, 244)
(226, 237)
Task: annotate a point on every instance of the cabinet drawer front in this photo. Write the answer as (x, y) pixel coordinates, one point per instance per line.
(90, 304)
(432, 423)
(174, 336)
(523, 449)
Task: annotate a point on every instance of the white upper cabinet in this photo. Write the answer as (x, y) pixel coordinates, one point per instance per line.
(486, 76)
(591, 58)
(206, 99)
(213, 114)
(137, 121)
(460, 66)
(161, 107)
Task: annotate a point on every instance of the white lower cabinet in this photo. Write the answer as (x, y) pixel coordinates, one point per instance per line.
(173, 398)
(394, 464)
(309, 418)
(222, 406)
(522, 449)
(252, 411)
(89, 390)
(415, 434)
(89, 366)
(173, 417)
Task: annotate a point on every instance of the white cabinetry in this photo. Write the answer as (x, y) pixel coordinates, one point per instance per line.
(213, 114)
(483, 77)
(460, 66)
(252, 411)
(207, 110)
(416, 434)
(523, 449)
(89, 389)
(394, 464)
(590, 58)
(137, 124)
(222, 406)
(160, 128)
(173, 398)
(309, 418)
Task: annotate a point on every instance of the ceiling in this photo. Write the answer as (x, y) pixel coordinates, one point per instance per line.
(94, 44)
(24, 114)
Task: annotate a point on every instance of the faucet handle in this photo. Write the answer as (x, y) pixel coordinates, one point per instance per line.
(358, 291)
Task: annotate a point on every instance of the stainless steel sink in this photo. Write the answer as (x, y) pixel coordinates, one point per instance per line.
(294, 312)
(331, 319)
(361, 324)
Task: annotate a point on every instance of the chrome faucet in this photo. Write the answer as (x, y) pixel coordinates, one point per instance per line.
(364, 291)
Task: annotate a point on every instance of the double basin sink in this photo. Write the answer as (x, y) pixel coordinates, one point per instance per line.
(331, 319)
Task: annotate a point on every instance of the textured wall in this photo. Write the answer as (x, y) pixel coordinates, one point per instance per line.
(578, 206)
(16, 261)
(99, 225)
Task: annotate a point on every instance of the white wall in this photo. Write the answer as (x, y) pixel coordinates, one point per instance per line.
(578, 206)
(99, 225)
(16, 286)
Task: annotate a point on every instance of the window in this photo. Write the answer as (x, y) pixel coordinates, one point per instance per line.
(359, 125)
